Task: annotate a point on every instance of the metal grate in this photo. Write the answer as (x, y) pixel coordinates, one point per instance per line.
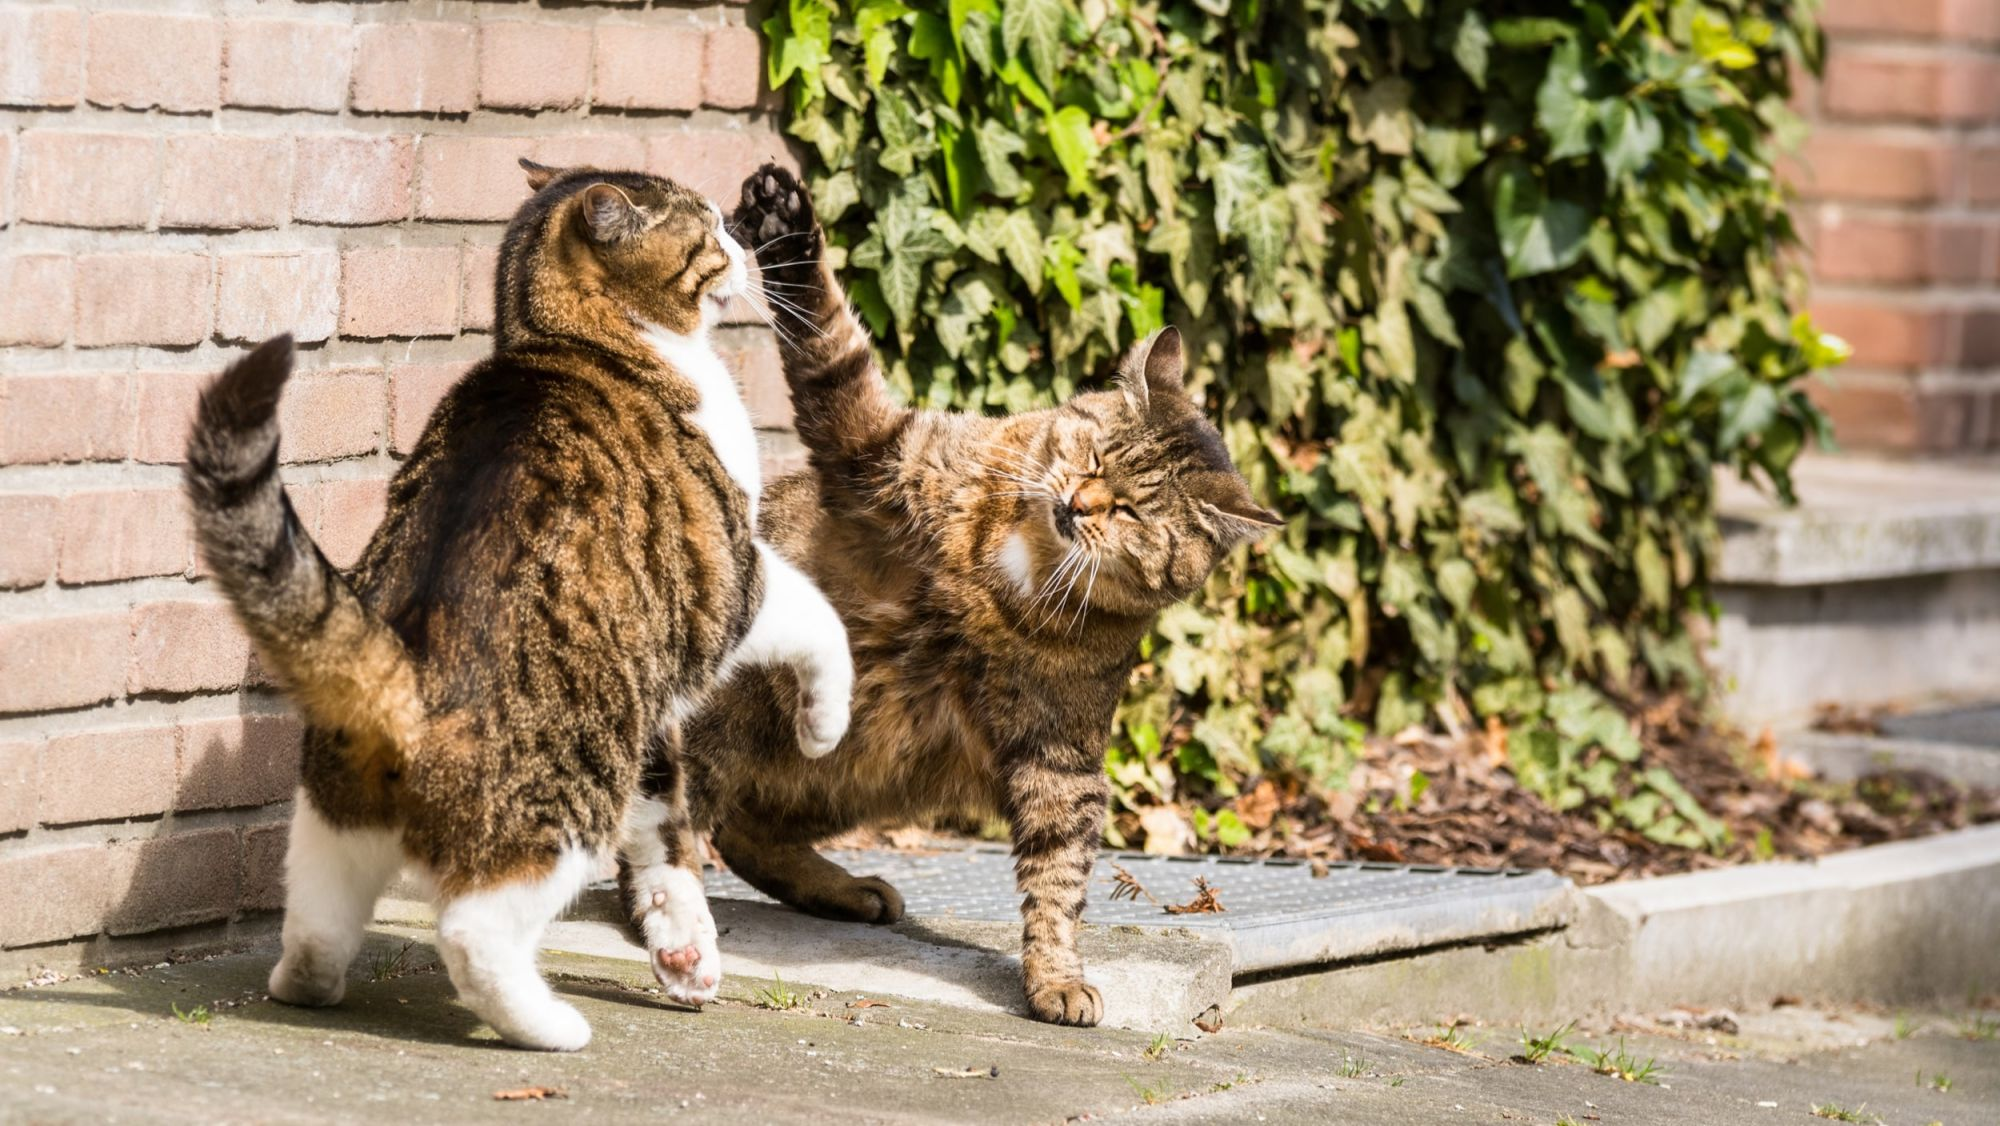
(1277, 914)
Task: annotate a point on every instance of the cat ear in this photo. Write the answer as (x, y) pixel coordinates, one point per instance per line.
(539, 175)
(609, 213)
(1239, 519)
(1154, 368)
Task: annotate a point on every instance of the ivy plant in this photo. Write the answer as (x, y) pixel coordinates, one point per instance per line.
(1480, 291)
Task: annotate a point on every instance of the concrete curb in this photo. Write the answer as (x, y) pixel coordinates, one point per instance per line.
(1904, 922)
(1843, 758)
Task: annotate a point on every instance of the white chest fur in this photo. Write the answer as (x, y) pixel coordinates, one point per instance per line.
(721, 415)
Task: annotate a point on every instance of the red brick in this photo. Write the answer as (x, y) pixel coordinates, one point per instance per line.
(264, 868)
(67, 179)
(186, 645)
(1983, 164)
(470, 177)
(399, 291)
(162, 299)
(482, 263)
(6, 178)
(243, 760)
(63, 662)
(41, 56)
(418, 67)
(1865, 83)
(175, 881)
(714, 160)
(140, 60)
(1903, 338)
(332, 414)
(1900, 249)
(533, 65)
(28, 550)
(19, 767)
(732, 70)
(1876, 413)
(66, 417)
(52, 894)
(286, 64)
(1843, 164)
(220, 181)
(106, 775)
(648, 68)
(261, 295)
(37, 299)
(1979, 346)
(612, 152)
(1950, 420)
(352, 180)
(1916, 19)
(122, 534)
(348, 514)
(762, 374)
(163, 413)
(414, 391)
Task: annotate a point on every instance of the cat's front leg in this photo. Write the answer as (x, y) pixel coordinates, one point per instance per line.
(659, 883)
(1056, 802)
(796, 626)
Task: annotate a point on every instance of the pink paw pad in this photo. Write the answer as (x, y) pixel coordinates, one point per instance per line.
(680, 961)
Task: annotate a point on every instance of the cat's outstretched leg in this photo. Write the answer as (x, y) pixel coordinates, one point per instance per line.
(793, 873)
(488, 940)
(332, 880)
(796, 626)
(1056, 804)
(659, 883)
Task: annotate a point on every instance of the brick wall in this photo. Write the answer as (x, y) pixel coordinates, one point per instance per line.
(1901, 178)
(180, 179)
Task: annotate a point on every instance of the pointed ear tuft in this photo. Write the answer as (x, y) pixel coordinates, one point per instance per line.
(539, 175)
(1153, 370)
(609, 213)
(1240, 519)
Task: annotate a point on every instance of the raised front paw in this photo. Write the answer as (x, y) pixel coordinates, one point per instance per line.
(1066, 1002)
(821, 720)
(775, 217)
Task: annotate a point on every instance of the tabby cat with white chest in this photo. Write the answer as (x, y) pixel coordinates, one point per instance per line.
(996, 576)
(567, 567)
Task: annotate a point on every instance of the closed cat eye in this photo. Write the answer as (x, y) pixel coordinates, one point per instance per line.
(1123, 509)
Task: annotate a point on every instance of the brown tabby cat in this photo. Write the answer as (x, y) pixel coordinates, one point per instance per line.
(996, 576)
(566, 567)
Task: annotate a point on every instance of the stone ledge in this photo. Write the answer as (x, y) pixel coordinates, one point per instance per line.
(1861, 519)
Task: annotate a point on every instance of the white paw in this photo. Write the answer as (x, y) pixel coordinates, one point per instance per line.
(691, 974)
(299, 978)
(822, 722)
(550, 1026)
(680, 934)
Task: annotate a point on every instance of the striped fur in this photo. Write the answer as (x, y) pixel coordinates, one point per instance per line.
(566, 565)
(995, 576)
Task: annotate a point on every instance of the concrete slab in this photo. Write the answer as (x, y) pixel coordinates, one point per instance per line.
(1842, 758)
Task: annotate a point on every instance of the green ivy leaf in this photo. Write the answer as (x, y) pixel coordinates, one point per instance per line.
(997, 146)
(1075, 147)
(1537, 234)
(1562, 106)
(1631, 136)
(1008, 235)
(1037, 26)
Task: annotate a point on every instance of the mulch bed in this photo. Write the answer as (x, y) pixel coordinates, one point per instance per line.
(1473, 812)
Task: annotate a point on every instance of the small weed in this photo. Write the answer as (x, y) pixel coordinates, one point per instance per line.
(1398, 1080)
(1159, 1046)
(1150, 1095)
(1451, 1040)
(385, 963)
(1903, 1029)
(1977, 1027)
(1841, 1114)
(1351, 1067)
(778, 996)
(1566, 1120)
(197, 1015)
(1225, 1084)
(1939, 1081)
(1622, 1064)
(1535, 1049)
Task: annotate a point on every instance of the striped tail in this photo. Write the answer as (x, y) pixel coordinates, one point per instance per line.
(343, 667)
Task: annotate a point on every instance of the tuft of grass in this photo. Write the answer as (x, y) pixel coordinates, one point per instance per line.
(1978, 1027)
(1535, 1049)
(1451, 1040)
(1842, 1114)
(1903, 1029)
(1398, 1080)
(1225, 1084)
(1622, 1064)
(1148, 1094)
(385, 963)
(1566, 1120)
(1939, 1081)
(197, 1015)
(779, 996)
(1161, 1042)
(1351, 1067)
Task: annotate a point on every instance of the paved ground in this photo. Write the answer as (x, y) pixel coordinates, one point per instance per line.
(109, 1048)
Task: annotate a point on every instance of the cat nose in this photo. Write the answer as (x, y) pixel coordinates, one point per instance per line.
(1091, 496)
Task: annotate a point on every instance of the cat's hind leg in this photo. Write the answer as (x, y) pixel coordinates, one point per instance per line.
(488, 939)
(659, 882)
(332, 879)
(796, 626)
(794, 873)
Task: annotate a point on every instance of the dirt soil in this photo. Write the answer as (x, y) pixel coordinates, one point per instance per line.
(1474, 813)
